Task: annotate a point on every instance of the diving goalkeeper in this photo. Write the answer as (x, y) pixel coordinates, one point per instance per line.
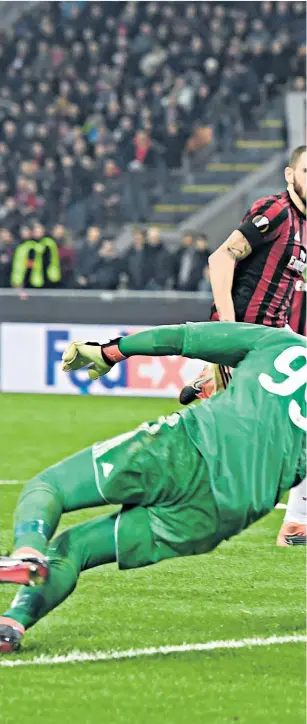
(185, 482)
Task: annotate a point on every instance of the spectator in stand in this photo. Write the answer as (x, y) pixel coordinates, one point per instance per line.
(201, 105)
(95, 210)
(140, 157)
(9, 133)
(24, 233)
(299, 84)
(123, 134)
(9, 214)
(112, 193)
(172, 113)
(4, 154)
(174, 141)
(258, 60)
(36, 260)
(299, 61)
(6, 256)
(200, 262)
(66, 177)
(88, 256)
(140, 152)
(202, 249)
(61, 235)
(259, 33)
(204, 283)
(158, 261)
(279, 62)
(134, 262)
(113, 115)
(247, 88)
(106, 271)
(183, 262)
(81, 189)
(38, 230)
(100, 158)
(67, 254)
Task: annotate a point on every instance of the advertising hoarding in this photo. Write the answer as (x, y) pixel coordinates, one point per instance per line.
(31, 362)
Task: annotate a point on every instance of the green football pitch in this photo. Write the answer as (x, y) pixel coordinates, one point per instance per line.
(246, 589)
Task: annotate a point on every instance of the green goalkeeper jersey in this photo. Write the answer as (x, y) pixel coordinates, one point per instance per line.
(252, 435)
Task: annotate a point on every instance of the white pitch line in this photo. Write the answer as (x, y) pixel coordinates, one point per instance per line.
(11, 482)
(76, 657)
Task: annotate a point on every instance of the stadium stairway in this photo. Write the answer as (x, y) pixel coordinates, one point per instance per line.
(219, 175)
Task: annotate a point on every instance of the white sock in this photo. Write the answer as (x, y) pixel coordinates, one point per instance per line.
(297, 504)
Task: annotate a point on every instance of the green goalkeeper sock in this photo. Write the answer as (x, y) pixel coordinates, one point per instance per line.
(69, 485)
(37, 514)
(77, 549)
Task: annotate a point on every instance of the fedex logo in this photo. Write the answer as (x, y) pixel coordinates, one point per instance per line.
(147, 375)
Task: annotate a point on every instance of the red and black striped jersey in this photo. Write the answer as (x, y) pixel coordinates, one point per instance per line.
(297, 318)
(264, 282)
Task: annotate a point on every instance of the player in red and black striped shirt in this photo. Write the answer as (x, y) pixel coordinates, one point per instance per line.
(254, 272)
(297, 318)
(265, 256)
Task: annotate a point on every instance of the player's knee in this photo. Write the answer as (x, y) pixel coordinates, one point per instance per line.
(46, 482)
(67, 548)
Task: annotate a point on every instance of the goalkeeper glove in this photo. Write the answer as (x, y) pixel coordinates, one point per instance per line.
(98, 358)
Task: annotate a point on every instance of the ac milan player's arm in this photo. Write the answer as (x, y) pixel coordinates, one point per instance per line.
(218, 342)
(222, 265)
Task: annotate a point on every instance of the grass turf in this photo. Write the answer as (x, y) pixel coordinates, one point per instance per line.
(246, 588)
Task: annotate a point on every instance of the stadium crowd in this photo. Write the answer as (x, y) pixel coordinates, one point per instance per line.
(147, 264)
(101, 102)
(95, 264)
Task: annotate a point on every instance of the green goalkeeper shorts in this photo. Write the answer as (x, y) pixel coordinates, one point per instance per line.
(161, 480)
